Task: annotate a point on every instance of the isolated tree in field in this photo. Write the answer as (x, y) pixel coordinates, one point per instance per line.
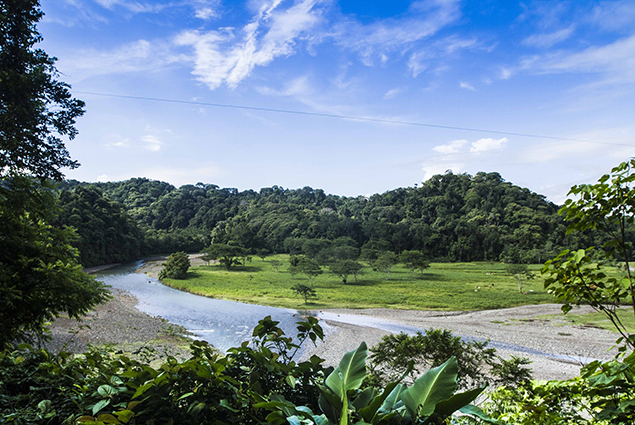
(263, 253)
(39, 273)
(385, 262)
(276, 264)
(414, 260)
(176, 267)
(345, 268)
(520, 272)
(311, 268)
(227, 255)
(294, 264)
(304, 291)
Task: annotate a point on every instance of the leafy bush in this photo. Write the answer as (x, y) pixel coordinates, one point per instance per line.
(391, 356)
(176, 267)
(431, 399)
(257, 382)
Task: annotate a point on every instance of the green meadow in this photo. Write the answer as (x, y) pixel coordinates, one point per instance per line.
(443, 286)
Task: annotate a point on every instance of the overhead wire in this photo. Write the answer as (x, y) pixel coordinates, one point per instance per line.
(349, 117)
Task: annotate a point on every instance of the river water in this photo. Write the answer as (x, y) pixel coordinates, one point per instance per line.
(226, 324)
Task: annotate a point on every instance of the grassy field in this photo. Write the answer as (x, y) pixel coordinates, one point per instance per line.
(444, 286)
(598, 319)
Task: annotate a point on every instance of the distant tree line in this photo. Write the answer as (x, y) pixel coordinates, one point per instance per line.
(450, 217)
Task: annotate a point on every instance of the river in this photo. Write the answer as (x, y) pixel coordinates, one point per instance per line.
(226, 324)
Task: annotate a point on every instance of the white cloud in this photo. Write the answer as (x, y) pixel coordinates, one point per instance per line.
(616, 61)
(548, 39)
(424, 19)
(419, 61)
(102, 178)
(116, 140)
(467, 86)
(487, 144)
(152, 143)
(416, 63)
(224, 57)
(297, 87)
(133, 6)
(182, 175)
(505, 74)
(614, 15)
(452, 147)
(431, 169)
(138, 56)
(206, 13)
(394, 92)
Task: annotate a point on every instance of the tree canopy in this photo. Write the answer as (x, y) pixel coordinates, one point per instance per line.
(227, 255)
(36, 109)
(450, 217)
(39, 274)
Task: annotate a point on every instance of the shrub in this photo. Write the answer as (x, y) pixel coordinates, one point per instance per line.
(176, 267)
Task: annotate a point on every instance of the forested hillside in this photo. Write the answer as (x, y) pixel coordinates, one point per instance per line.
(451, 217)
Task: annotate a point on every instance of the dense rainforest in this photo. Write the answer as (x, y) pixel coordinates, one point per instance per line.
(450, 217)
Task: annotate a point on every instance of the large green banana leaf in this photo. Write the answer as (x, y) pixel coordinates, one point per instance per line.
(435, 385)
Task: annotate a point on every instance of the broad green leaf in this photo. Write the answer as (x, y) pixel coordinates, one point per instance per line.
(435, 385)
(107, 419)
(447, 407)
(321, 420)
(330, 404)
(393, 400)
(368, 413)
(125, 415)
(479, 413)
(350, 373)
(106, 390)
(364, 398)
(100, 405)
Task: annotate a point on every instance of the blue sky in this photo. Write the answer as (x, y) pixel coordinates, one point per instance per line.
(564, 69)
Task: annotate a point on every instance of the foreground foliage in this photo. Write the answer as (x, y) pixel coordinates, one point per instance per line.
(255, 383)
(605, 391)
(39, 274)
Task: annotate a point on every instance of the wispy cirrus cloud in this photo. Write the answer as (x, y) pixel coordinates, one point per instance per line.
(373, 42)
(203, 9)
(423, 57)
(152, 143)
(229, 55)
(544, 40)
(138, 56)
(614, 62)
(394, 92)
(297, 87)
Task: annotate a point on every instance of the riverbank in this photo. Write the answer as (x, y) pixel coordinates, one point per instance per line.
(515, 328)
(118, 322)
(152, 266)
(518, 326)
